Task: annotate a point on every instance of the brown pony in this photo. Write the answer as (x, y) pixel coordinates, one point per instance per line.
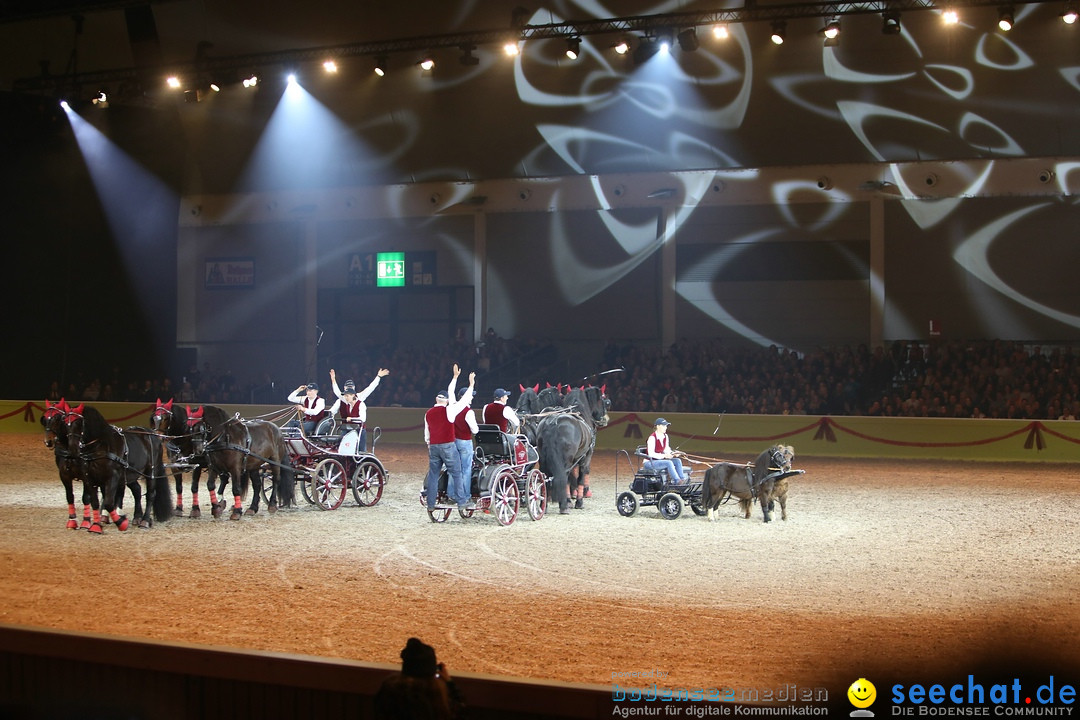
(766, 480)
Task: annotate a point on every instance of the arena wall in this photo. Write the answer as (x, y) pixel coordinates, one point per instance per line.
(729, 437)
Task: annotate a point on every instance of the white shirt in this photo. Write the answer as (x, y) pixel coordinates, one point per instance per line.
(361, 396)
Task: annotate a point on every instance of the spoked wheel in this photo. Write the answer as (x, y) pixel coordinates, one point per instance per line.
(266, 474)
(466, 513)
(504, 497)
(304, 479)
(439, 515)
(671, 505)
(536, 494)
(698, 508)
(367, 483)
(627, 503)
(329, 484)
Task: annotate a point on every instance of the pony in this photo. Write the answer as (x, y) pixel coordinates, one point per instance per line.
(766, 479)
(111, 458)
(67, 464)
(173, 424)
(240, 449)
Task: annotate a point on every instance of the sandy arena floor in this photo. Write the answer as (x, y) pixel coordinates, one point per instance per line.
(913, 566)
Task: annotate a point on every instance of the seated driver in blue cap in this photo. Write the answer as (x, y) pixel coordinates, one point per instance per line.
(661, 456)
(497, 412)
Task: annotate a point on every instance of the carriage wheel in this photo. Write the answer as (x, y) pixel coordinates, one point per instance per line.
(466, 513)
(671, 505)
(304, 477)
(367, 483)
(627, 503)
(698, 508)
(536, 494)
(439, 515)
(504, 497)
(329, 484)
(266, 474)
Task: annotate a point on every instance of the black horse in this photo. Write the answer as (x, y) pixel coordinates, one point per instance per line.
(528, 402)
(766, 480)
(109, 459)
(240, 449)
(173, 424)
(592, 405)
(565, 441)
(67, 463)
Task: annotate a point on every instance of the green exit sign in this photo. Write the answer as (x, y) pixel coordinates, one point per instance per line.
(390, 269)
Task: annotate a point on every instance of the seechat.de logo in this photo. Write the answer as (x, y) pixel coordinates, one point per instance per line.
(862, 694)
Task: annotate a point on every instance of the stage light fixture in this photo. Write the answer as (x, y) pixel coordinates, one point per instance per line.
(101, 99)
(173, 82)
(330, 66)
(720, 31)
(427, 63)
(622, 47)
(779, 29)
(467, 58)
(380, 65)
(573, 48)
(252, 81)
(645, 50)
(950, 17)
(511, 48)
(215, 87)
(688, 40)
(1068, 16)
(1006, 19)
(832, 33)
(890, 23)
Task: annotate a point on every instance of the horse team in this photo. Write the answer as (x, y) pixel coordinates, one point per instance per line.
(107, 460)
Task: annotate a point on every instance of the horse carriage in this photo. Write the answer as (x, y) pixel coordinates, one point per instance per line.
(765, 480)
(654, 487)
(329, 463)
(504, 476)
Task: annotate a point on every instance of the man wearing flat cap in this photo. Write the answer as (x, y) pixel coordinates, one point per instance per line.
(497, 412)
(439, 436)
(312, 407)
(661, 456)
(351, 406)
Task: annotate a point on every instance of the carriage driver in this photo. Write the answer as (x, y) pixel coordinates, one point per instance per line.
(497, 412)
(350, 407)
(661, 457)
(310, 404)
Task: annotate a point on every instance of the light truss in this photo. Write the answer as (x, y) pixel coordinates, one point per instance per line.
(642, 25)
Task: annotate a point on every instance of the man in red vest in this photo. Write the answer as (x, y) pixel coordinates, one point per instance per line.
(439, 436)
(312, 407)
(464, 428)
(497, 412)
(351, 406)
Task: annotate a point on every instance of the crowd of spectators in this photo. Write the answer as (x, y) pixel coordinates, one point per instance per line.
(991, 378)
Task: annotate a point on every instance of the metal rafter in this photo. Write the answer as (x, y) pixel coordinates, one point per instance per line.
(642, 25)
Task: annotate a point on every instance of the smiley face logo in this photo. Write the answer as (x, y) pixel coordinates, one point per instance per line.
(862, 693)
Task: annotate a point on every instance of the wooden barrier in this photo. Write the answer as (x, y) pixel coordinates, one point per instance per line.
(56, 674)
(737, 437)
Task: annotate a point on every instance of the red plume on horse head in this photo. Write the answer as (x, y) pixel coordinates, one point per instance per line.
(77, 410)
(167, 406)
